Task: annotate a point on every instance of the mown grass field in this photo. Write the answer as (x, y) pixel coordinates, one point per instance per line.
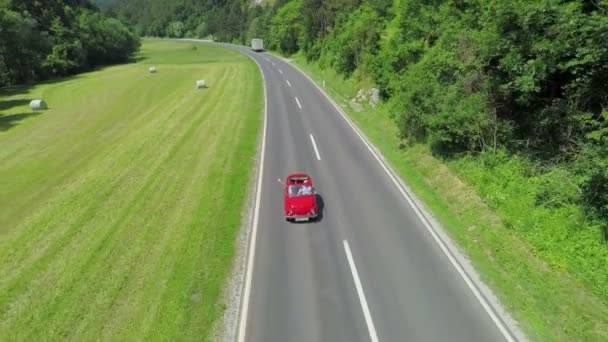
(521, 252)
(120, 204)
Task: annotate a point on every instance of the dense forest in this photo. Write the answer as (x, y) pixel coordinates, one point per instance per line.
(53, 38)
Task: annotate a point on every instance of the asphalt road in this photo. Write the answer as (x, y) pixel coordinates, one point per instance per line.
(369, 270)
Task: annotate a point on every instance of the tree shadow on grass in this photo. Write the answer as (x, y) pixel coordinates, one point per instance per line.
(23, 89)
(20, 95)
(9, 121)
(15, 90)
(8, 104)
(137, 59)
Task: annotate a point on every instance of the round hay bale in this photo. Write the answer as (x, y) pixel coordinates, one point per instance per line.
(201, 84)
(38, 104)
(152, 70)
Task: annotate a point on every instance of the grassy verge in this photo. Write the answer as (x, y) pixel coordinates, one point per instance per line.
(121, 203)
(492, 220)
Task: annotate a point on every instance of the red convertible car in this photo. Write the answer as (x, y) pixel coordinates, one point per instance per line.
(300, 198)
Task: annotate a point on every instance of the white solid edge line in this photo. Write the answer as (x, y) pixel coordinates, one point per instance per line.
(314, 145)
(368, 317)
(288, 84)
(298, 102)
(422, 218)
(256, 216)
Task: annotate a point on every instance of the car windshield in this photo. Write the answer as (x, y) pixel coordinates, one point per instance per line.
(299, 190)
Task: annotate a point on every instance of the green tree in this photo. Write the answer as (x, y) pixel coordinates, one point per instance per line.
(67, 54)
(22, 47)
(286, 28)
(56, 38)
(355, 40)
(105, 40)
(176, 29)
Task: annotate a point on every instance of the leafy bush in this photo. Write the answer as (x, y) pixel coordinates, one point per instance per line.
(557, 188)
(544, 207)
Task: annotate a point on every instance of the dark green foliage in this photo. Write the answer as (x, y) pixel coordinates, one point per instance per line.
(40, 40)
(355, 40)
(592, 164)
(105, 40)
(224, 20)
(102, 3)
(67, 53)
(473, 76)
(286, 25)
(286, 28)
(22, 46)
(596, 193)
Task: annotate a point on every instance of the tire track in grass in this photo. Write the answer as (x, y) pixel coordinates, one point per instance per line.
(104, 249)
(41, 265)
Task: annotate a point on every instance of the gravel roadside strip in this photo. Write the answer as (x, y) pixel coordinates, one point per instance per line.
(225, 329)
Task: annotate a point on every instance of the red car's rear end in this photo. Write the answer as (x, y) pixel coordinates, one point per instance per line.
(301, 208)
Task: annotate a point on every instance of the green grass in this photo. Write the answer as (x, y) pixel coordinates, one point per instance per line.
(120, 204)
(500, 235)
